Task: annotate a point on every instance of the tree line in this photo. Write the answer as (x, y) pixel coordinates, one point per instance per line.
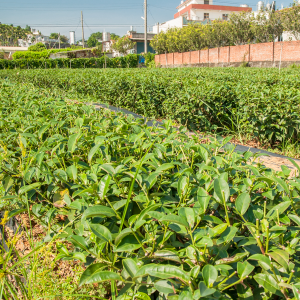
(9, 34)
(242, 28)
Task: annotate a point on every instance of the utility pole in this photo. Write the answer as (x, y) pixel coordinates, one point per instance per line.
(82, 30)
(146, 38)
(59, 40)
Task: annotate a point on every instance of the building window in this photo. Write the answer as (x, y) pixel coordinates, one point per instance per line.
(206, 16)
(225, 17)
(206, 1)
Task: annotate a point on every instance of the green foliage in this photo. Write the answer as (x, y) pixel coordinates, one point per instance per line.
(9, 34)
(123, 45)
(149, 58)
(93, 39)
(151, 210)
(114, 36)
(260, 103)
(55, 36)
(290, 20)
(38, 47)
(40, 54)
(242, 28)
(128, 61)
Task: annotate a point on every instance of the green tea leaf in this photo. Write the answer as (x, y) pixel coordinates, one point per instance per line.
(203, 198)
(204, 290)
(242, 203)
(221, 189)
(267, 281)
(99, 276)
(141, 296)
(130, 266)
(210, 275)
(175, 219)
(128, 243)
(90, 271)
(227, 235)
(26, 188)
(93, 151)
(163, 272)
(72, 142)
(263, 260)
(102, 232)
(281, 208)
(164, 168)
(244, 269)
(103, 186)
(98, 211)
(280, 256)
(295, 219)
(164, 286)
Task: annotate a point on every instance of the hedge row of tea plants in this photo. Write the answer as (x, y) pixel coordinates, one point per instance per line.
(129, 61)
(156, 213)
(258, 103)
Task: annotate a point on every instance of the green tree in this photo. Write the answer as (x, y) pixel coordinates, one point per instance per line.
(122, 45)
(290, 19)
(37, 47)
(63, 39)
(240, 31)
(114, 36)
(27, 28)
(266, 26)
(9, 35)
(94, 38)
(54, 36)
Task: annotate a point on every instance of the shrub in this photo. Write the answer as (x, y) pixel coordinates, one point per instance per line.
(37, 47)
(152, 211)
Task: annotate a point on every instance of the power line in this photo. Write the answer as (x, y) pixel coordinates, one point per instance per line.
(73, 25)
(68, 9)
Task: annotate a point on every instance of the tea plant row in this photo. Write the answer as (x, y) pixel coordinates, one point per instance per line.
(151, 210)
(253, 103)
(130, 61)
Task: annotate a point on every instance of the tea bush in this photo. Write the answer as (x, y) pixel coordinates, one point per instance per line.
(260, 103)
(153, 211)
(129, 61)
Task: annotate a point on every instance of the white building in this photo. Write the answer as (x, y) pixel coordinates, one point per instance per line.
(199, 11)
(72, 38)
(33, 39)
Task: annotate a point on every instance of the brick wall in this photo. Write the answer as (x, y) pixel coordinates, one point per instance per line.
(195, 57)
(204, 56)
(214, 55)
(177, 58)
(290, 51)
(170, 58)
(261, 52)
(224, 55)
(162, 59)
(156, 58)
(239, 53)
(264, 52)
(186, 58)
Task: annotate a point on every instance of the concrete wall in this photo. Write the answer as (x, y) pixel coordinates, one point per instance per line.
(176, 23)
(264, 54)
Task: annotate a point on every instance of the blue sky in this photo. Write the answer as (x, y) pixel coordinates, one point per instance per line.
(99, 15)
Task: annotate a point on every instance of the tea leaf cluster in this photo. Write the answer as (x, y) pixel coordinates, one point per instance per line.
(258, 103)
(152, 210)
